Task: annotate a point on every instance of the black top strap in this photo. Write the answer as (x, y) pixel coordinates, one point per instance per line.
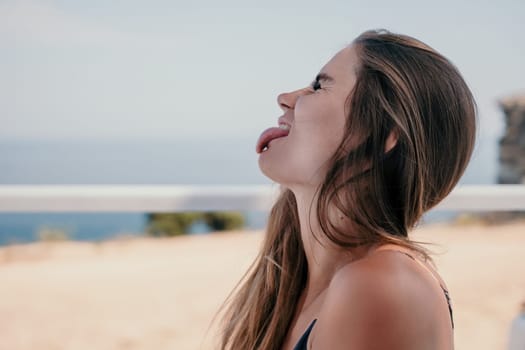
(303, 341)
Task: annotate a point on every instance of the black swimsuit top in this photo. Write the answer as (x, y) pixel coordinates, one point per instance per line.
(303, 341)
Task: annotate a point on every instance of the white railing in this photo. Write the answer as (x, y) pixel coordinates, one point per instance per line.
(111, 198)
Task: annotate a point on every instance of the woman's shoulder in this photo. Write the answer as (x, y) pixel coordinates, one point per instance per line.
(383, 267)
(383, 299)
(389, 279)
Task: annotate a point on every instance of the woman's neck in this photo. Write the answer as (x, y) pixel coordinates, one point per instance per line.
(324, 258)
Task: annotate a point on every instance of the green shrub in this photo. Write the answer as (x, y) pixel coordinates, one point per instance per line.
(170, 224)
(52, 234)
(224, 221)
(174, 224)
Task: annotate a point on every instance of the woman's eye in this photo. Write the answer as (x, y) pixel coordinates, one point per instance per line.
(316, 85)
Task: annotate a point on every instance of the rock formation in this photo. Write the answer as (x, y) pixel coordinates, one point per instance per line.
(512, 144)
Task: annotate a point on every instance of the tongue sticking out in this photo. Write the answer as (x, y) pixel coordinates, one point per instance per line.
(268, 135)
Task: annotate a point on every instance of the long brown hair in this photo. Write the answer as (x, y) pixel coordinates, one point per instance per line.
(403, 87)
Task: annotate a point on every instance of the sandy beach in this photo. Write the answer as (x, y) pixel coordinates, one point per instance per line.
(163, 293)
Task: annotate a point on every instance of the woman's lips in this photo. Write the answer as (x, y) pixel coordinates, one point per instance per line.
(270, 134)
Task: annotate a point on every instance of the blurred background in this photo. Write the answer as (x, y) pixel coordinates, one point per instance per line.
(173, 92)
(165, 92)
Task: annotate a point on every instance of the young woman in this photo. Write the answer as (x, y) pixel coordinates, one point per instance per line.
(381, 136)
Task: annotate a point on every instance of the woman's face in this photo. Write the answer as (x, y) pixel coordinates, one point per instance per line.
(311, 127)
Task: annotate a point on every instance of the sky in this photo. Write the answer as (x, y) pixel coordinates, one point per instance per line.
(160, 70)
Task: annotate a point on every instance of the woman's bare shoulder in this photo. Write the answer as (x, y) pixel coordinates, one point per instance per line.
(379, 302)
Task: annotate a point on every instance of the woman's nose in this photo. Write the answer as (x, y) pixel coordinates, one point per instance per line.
(287, 100)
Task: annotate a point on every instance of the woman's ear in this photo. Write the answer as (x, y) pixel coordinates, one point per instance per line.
(391, 140)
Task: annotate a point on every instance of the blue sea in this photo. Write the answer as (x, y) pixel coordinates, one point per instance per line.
(229, 161)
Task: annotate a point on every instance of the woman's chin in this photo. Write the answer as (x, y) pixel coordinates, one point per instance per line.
(266, 167)
(271, 170)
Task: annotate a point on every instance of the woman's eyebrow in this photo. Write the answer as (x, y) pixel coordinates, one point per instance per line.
(324, 77)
